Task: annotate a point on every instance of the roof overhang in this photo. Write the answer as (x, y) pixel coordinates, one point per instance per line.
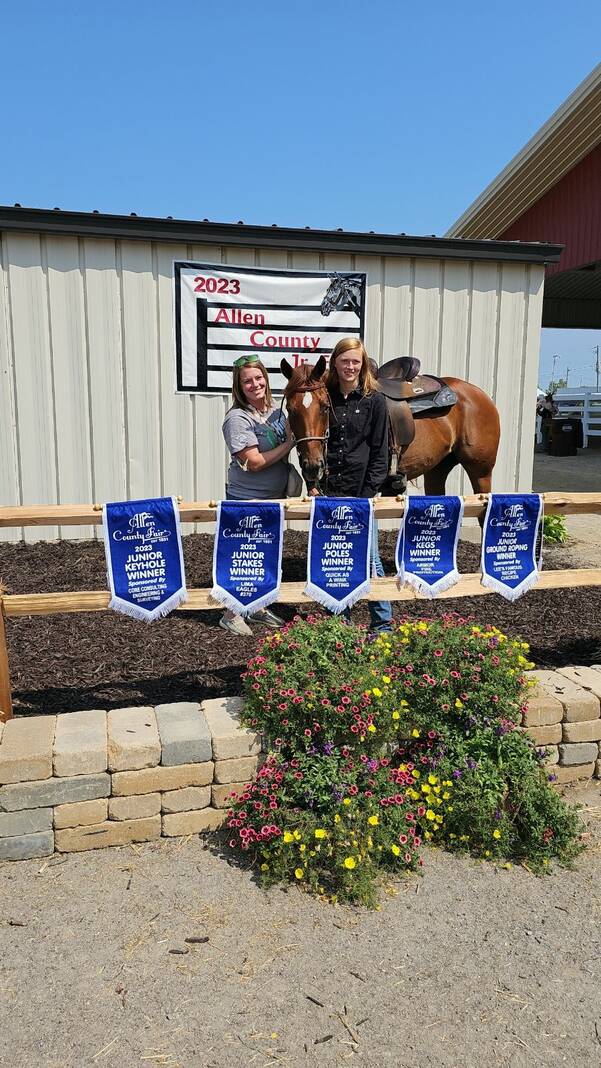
(128, 227)
(568, 136)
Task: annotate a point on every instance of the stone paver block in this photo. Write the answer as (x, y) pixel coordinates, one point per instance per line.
(588, 730)
(110, 833)
(550, 735)
(26, 749)
(80, 743)
(578, 753)
(543, 709)
(133, 739)
(221, 793)
(134, 807)
(27, 821)
(229, 738)
(205, 819)
(50, 792)
(184, 732)
(571, 773)
(156, 780)
(578, 704)
(191, 797)
(26, 846)
(587, 677)
(81, 813)
(243, 769)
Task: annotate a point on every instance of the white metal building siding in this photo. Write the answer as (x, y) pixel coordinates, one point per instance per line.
(88, 410)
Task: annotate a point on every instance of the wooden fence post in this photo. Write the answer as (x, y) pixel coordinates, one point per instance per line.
(6, 705)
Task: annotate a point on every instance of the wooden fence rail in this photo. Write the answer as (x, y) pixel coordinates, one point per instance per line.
(13, 605)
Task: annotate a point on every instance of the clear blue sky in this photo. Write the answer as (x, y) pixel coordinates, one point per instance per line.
(382, 115)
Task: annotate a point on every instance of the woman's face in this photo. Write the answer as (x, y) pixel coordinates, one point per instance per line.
(252, 384)
(348, 368)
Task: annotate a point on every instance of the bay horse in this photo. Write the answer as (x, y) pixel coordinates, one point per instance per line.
(466, 433)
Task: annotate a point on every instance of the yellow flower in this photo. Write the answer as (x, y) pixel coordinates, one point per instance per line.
(320, 833)
(373, 820)
(416, 774)
(487, 852)
(446, 795)
(376, 692)
(425, 788)
(404, 704)
(386, 679)
(371, 729)
(432, 780)
(288, 837)
(458, 703)
(395, 849)
(415, 733)
(496, 833)
(336, 818)
(302, 848)
(299, 873)
(396, 715)
(346, 801)
(430, 815)
(264, 867)
(297, 835)
(350, 863)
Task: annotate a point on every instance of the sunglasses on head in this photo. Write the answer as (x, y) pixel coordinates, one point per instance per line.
(242, 361)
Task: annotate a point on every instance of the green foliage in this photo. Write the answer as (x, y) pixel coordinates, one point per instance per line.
(555, 529)
(380, 745)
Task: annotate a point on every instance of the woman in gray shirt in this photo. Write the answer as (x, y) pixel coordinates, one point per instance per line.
(259, 439)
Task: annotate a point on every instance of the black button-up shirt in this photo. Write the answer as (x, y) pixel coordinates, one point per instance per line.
(358, 444)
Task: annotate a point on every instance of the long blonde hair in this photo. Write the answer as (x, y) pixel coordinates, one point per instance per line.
(367, 382)
(238, 398)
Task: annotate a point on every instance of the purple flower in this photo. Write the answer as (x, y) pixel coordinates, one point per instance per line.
(328, 748)
(372, 765)
(457, 773)
(498, 815)
(471, 763)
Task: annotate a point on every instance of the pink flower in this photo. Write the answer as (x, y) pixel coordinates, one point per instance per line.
(307, 732)
(438, 652)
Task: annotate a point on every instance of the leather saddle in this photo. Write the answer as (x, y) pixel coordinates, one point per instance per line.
(409, 393)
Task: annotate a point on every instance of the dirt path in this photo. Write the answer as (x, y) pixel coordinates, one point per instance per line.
(470, 965)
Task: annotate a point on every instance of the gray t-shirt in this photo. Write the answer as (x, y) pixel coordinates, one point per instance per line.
(242, 430)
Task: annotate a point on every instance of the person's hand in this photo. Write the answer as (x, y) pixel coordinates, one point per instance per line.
(314, 492)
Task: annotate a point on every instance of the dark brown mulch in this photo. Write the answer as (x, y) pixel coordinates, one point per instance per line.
(62, 663)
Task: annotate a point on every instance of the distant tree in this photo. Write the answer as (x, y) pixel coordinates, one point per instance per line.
(561, 383)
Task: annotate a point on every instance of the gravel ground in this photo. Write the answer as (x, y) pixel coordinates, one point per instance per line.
(468, 965)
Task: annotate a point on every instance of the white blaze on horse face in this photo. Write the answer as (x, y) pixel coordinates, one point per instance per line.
(307, 400)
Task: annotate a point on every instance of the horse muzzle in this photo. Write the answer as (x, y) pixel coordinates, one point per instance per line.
(313, 472)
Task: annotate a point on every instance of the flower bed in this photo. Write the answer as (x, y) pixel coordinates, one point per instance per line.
(379, 746)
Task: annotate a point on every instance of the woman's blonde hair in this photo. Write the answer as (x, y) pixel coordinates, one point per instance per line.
(367, 382)
(238, 398)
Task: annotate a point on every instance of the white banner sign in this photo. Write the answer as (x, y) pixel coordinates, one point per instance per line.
(222, 313)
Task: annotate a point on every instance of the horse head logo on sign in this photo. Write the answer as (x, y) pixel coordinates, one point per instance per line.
(344, 294)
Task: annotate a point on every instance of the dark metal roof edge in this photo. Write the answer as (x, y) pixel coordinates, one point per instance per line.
(150, 229)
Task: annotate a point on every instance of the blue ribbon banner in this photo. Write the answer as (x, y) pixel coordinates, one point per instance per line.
(144, 560)
(247, 555)
(338, 563)
(426, 551)
(511, 528)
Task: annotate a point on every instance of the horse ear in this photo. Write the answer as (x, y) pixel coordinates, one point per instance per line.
(285, 368)
(319, 368)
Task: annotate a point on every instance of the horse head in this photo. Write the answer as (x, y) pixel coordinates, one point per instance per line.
(343, 295)
(308, 404)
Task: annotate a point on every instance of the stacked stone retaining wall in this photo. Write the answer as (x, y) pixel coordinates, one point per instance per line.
(85, 780)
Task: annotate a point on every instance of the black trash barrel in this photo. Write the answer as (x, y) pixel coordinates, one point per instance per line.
(565, 437)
